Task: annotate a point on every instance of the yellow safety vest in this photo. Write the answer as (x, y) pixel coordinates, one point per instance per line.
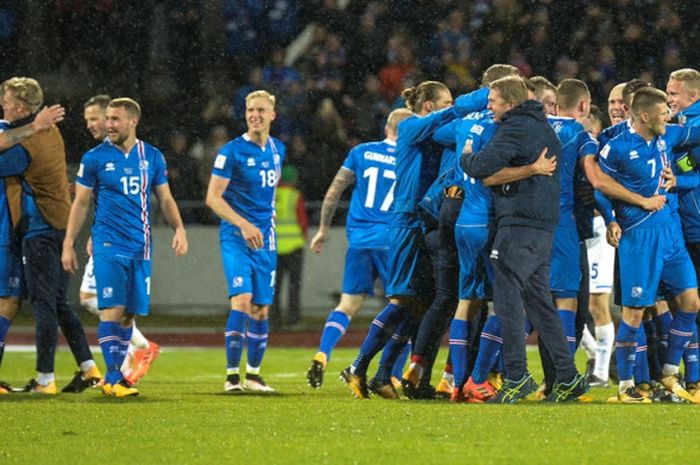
(290, 236)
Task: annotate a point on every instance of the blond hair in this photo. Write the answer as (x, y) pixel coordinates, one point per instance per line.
(27, 90)
(498, 71)
(396, 116)
(689, 76)
(260, 93)
(512, 89)
(130, 105)
(570, 92)
(426, 91)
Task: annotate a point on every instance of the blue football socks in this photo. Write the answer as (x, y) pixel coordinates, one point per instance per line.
(257, 343)
(335, 327)
(235, 332)
(626, 350)
(459, 340)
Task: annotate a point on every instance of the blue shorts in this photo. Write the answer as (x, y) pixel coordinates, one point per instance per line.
(249, 271)
(474, 264)
(565, 272)
(649, 256)
(11, 279)
(123, 281)
(409, 267)
(362, 268)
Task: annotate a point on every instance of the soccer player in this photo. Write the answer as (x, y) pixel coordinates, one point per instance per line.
(371, 167)
(39, 194)
(545, 93)
(142, 352)
(649, 250)
(122, 172)
(618, 111)
(11, 280)
(241, 192)
(410, 281)
(683, 90)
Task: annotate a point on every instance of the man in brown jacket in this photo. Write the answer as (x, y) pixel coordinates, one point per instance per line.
(39, 202)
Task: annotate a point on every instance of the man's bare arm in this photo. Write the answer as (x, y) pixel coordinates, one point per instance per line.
(343, 179)
(46, 118)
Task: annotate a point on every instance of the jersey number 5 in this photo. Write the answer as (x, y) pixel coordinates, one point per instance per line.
(373, 175)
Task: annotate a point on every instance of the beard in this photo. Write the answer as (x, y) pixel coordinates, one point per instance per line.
(117, 138)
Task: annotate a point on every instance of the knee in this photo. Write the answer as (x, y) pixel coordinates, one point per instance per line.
(242, 303)
(258, 312)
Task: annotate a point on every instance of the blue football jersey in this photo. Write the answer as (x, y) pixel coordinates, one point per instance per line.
(472, 133)
(418, 156)
(637, 165)
(253, 173)
(122, 184)
(5, 220)
(611, 132)
(689, 201)
(576, 143)
(372, 201)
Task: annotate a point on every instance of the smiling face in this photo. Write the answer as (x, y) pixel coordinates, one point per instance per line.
(616, 106)
(259, 115)
(680, 96)
(120, 125)
(498, 105)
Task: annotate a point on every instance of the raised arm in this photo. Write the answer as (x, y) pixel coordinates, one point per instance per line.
(43, 120)
(343, 179)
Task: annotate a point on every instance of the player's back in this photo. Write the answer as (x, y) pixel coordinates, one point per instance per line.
(472, 133)
(371, 204)
(575, 143)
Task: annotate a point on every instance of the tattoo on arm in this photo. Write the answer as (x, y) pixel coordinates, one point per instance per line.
(342, 180)
(13, 136)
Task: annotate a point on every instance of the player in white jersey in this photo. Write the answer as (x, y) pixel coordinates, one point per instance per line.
(142, 352)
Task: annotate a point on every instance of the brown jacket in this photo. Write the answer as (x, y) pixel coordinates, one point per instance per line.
(47, 178)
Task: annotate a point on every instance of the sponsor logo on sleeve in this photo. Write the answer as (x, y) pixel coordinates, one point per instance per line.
(220, 162)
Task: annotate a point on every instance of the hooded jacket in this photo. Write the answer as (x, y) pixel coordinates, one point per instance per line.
(518, 141)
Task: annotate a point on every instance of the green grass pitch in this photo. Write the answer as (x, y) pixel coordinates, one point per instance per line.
(183, 416)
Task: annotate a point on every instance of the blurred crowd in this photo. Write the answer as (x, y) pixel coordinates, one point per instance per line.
(337, 67)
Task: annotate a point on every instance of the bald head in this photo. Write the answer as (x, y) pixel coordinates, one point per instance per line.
(617, 110)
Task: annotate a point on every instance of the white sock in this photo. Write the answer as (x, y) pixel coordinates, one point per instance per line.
(249, 370)
(605, 338)
(87, 365)
(588, 343)
(233, 371)
(45, 378)
(138, 339)
(128, 360)
(449, 377)
(625, 384)
(669, 370)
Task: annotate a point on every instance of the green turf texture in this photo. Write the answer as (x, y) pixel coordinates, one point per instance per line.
(183, 416)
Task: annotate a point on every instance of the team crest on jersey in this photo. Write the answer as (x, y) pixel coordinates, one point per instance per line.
(109, 166)
(81, 168)
(128, 170)
(250, 162)
(661, 145)
(237, 281)
(265, 164)
(634, 155)
(477, 129)
(143, 165)
(276, 158)
(637, 292)
(107, 292)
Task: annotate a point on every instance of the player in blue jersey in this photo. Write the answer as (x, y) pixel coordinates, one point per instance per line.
(11, 279)
(650, 251)
(410, 275)
(241, 192)
(371, 168)
(142, 352)
(122, 172)
(683, 90)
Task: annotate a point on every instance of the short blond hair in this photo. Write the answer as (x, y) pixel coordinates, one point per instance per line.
(260, 93)
(689, 76)
(396, 116)
(571, 92)
(498, 71)
(130, 105)
(512, 89)
(26, 90)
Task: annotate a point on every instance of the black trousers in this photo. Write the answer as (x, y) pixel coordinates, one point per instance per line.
(47, 285)
(289, 265)
(520, 257)
(443, 256)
